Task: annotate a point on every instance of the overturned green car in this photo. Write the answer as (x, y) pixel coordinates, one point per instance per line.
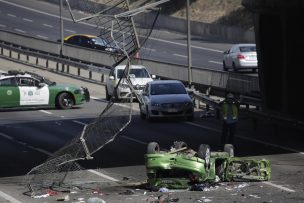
(181, 167)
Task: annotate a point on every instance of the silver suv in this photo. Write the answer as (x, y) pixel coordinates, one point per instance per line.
(139, 77)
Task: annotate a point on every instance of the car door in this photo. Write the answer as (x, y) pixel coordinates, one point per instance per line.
(9, 93)
(31, 93)
(74, 40)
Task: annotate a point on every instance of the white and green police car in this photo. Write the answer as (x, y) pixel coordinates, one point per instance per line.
(24, 89)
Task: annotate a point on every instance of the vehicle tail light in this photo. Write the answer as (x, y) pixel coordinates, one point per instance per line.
(240, 56)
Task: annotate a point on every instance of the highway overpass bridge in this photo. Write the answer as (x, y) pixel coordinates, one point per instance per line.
(279, 31)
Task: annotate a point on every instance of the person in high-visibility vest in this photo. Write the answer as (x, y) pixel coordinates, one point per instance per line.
(230, 114)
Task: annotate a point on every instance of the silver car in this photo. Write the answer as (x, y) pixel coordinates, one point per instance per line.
(241, 57)
(166, 98)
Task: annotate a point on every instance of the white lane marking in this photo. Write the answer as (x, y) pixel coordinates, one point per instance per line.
(134, 140)
(103, 175)
(203, 127)
(270, 144)
(279, 186)
(2, 25)
(25, 144)
(41, 36)
(11, 15)
(9, 198)
(68, 19)
(123, 136)
(72, 31)
(47, 112)
(185, 45)
(47, 25)
(79, 122)
(241, 80)
(28, 20)
(22, 31)
(179, 55)
(96, 98)
(216, 62)
(148, 49)
(248, 139)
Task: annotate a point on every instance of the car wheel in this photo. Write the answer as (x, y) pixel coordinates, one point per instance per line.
(64, 101)
(148, 117)
(204, 153)
(179, 144)
(229, 149)
(153, 148)
(142, 115)
(224, 66)
(234, 67)
(190, 118)
(108, 97)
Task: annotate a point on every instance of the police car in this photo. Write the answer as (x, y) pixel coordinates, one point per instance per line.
(25, 89)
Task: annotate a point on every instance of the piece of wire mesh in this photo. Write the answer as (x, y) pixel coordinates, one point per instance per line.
(116, 25)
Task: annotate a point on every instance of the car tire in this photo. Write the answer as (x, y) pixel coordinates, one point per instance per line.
(234, 67)
(224, 66)
(148, 117)
(204, 153)
(153, 148)
(190, 118)
(229, 149)
(179, 144)
(142, 115)
(108, 97)
(64, 101)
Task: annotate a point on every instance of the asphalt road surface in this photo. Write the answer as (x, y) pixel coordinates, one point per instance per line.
(117, 172)
(41, 20)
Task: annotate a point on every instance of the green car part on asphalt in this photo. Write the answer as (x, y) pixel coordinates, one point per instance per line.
(22, 89)
(182, 167)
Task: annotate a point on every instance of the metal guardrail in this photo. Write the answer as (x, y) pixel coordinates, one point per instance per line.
(238, 83)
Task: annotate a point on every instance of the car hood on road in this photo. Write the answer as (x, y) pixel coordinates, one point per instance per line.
(170, 98)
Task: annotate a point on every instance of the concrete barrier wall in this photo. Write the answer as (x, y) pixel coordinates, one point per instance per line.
(207, 31)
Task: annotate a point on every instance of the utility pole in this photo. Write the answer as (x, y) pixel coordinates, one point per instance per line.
(61, 29)
(189, 44)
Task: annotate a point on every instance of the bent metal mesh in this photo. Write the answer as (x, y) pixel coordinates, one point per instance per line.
(115, 21)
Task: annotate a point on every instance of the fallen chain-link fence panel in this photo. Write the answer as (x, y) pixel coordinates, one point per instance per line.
(117, 27)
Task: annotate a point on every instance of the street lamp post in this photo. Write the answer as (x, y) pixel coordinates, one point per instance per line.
(61, 29)
(189, 44)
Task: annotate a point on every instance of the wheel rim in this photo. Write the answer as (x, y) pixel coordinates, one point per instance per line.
(67, 101)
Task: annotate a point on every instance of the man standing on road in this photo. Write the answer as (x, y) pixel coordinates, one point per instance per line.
(230, 113)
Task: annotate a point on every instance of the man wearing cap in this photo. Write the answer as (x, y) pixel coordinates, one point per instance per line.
(230, 113)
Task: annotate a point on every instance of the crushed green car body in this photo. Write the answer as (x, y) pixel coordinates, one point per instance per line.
(182, 167)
